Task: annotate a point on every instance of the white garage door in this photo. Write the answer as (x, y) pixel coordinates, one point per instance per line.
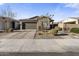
(30, 25)
(2, 26)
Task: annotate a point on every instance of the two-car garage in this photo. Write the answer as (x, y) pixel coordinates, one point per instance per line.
(29, 24)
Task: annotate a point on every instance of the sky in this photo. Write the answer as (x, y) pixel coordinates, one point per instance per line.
(27, 10)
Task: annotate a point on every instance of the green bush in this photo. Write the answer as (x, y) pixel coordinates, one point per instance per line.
(74, 30)
(40, 32)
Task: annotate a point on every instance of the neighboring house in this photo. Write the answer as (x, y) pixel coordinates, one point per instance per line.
(6, 23)
(71, 22)
(36, 22)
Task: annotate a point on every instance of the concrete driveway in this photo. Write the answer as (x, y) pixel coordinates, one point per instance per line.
(23, 34)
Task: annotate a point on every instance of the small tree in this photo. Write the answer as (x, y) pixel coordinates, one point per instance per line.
(49, 15)
(7, 12)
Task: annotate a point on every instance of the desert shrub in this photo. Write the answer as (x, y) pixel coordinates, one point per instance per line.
(9, 30)
(74, 30)
(49, 31)
(53, 31)
(40, 32)
(60, 29)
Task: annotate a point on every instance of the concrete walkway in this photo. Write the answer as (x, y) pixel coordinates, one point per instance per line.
(65, 35)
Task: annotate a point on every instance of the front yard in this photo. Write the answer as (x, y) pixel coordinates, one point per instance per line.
(32, 34)
(60, 35)
(45, 35)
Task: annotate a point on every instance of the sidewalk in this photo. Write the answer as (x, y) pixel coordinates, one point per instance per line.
(39, 45)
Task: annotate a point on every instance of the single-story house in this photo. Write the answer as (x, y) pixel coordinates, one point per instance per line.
(71, 22)
(37, 22)
(6, 23)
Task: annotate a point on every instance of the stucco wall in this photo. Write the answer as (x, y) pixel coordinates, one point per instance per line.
(72, 26)
(61, 25)
(43, 23)
(68, 26)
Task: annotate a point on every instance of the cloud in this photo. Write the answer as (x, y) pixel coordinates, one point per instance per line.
(72, 5)
(61, 14)
(1, 3)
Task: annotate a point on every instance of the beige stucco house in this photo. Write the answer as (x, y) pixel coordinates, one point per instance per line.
(37, 22)
(71, 22)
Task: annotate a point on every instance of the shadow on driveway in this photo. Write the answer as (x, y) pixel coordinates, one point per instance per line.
(61, 34)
